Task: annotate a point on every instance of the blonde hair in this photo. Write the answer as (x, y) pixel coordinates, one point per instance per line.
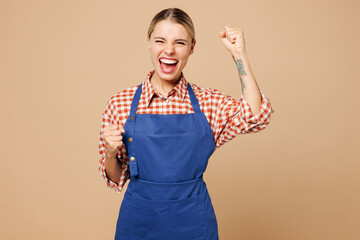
(178, 16)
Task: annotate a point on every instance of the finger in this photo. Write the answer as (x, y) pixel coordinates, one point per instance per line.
(229, 30)
(112, 132)
(226, 42)
(112, 126)
(230, 36)
(115, 138)
(114, 144)
(222, 34)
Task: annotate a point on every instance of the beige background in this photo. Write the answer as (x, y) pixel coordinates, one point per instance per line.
(61, 61)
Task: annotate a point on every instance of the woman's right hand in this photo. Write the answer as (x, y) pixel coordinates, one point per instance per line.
(113, 138)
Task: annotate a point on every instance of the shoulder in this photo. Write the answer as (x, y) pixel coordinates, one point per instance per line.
(208, 93)
(124, 97)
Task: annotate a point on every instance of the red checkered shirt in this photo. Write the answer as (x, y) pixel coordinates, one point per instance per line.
(226, 115)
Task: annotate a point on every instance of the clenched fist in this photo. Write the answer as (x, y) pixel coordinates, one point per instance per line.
(233, 40)
(113, 138)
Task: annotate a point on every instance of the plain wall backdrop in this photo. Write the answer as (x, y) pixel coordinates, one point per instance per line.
(61, 61)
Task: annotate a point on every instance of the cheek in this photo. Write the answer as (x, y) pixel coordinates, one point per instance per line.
(155, 49)
(184, 54)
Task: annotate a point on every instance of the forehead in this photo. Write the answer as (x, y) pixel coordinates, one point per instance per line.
(169, 29)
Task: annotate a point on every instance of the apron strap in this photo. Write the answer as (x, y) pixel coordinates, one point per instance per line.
(135, 101)
(131, 121)
(194, 101)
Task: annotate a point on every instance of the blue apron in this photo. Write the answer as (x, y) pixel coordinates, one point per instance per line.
(166, 198)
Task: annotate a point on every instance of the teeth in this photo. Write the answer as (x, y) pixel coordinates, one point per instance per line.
(168, 61)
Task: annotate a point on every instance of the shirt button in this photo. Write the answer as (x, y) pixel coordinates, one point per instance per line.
(132, 159)
(132, 117)
(130, 139)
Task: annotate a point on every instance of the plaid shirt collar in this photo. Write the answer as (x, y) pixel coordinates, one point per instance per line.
(180, 89)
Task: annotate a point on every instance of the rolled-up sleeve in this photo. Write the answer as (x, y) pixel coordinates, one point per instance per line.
(235, 117)
(108, 118)
(249, 122)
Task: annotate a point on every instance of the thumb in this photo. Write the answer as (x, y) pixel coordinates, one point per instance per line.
(224, 39)
(222, 33)
(121, 128)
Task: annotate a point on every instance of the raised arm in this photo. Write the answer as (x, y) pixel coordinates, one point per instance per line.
(233, 39)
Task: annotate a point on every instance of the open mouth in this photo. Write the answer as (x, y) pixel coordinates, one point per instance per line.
(168, 65)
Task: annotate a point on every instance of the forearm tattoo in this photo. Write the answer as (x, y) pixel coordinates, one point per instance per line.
(241, 71)
(240, 67)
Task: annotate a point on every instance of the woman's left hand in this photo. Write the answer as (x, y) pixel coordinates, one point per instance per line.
(233, 39)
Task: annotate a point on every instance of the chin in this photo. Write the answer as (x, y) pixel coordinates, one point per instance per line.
(168, 76)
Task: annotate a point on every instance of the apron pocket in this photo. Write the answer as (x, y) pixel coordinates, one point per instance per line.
(142, 220)
(184, 219)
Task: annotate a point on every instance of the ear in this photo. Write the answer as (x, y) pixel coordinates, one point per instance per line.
(148, 41)
(192, 47)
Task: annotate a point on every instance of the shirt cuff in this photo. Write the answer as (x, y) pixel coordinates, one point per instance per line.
(262, 117)
(116, 186)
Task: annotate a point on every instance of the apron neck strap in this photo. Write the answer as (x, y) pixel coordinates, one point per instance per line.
(135, 102)
(194, 101)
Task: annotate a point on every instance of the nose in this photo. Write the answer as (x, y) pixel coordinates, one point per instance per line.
(169, 48)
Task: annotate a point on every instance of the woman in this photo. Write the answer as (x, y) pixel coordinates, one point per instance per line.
(161, 133)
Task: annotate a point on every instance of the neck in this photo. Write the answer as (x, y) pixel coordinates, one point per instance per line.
(163, 86)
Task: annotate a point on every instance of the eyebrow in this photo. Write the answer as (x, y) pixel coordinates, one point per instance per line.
(175, 39)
